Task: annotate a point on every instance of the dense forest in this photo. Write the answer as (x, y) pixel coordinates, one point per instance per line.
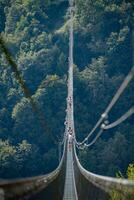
(36, 33)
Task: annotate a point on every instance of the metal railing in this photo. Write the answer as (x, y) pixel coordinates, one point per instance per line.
(92, 186)
(46, 186)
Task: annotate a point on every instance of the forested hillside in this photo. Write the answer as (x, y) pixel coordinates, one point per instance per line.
(36, 33)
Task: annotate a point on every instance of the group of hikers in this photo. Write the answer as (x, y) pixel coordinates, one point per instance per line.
(70, 130)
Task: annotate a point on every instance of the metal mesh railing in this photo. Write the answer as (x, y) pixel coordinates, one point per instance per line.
(27, 187)
(100, 187)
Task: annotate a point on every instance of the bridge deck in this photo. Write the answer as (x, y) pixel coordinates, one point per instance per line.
(70, 192)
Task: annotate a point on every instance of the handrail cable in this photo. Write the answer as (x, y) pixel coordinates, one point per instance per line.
(108, 184)
(29, 179)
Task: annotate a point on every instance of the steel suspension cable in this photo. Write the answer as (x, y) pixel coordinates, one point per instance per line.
(106, 127)
(95, 139)
(120, 120)
(14, 68)
(119, 92)
(25, 89)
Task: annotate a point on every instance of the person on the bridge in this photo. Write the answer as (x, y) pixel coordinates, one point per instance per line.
(70, 131)
(70, 141)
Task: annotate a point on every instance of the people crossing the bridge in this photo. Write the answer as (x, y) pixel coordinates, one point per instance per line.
(70, 139)
(70, 102)
(70, 131)
(69, 165)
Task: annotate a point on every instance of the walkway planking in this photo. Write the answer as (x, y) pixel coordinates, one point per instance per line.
(70, 192)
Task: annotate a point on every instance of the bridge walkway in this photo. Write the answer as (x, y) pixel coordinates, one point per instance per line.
(70, 192)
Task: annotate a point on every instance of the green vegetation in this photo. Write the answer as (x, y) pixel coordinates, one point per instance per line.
(36, 32)
(130, 175)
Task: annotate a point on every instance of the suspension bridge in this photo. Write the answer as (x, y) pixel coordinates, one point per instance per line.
(69, 181)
